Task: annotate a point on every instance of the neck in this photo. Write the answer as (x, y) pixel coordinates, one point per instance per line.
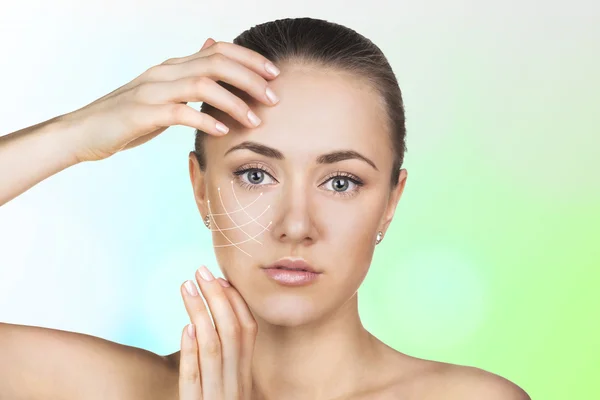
(325, 359)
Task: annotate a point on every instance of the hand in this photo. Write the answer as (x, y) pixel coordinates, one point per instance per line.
(145, 107)
(215, 364)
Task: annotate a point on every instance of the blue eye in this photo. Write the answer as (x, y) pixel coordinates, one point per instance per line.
(252, 177)
(347, 180)
(340, 184)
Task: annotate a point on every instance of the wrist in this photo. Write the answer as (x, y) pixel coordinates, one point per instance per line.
(65, 131)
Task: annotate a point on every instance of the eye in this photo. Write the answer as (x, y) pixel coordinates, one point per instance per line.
(341, 181)
(253, 177)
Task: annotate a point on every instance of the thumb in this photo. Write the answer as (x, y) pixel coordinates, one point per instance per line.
(209, 42)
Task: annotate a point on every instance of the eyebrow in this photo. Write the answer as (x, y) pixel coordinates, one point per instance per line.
(328, 158)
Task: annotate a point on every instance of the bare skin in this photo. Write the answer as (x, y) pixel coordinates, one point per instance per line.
(100, 369)
(254, 346)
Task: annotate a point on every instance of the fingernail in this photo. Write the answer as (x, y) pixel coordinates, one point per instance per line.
(205, 273)
(191, 288)
(222, 128)
(272, 69)
(272, 96)
(191, 330)
(254, 120)
(223, 282)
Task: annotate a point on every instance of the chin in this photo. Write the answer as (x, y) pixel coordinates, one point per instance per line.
(287, 310)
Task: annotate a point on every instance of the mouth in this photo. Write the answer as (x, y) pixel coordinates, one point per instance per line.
(292, 264)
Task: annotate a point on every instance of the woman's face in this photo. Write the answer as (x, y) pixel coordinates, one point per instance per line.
(276, 195)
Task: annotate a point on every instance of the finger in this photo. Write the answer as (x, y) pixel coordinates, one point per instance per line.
(219, 68)
(228, 329)
(195, 89)
(249, 331)
(165, 115)
(189, 369)
(176, 60)
(143, 139)
(247, 57)
(209, 344)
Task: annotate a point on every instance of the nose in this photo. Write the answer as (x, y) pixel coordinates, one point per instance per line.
(293, 222)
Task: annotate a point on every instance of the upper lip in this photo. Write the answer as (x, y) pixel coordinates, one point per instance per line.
(293, 263)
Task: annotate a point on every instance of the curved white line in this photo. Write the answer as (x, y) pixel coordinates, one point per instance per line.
(246, 223)
(228, 214)
(231, 212)
(243, 241)
(223, 233)
(239, 204)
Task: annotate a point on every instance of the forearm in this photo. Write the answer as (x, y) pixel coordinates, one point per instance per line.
(30, 155)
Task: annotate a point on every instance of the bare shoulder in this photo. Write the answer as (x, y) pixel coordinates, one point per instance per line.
(46, 363)
(475, 383)
(450, 381)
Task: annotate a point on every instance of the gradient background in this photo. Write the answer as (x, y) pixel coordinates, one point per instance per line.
(492, 259)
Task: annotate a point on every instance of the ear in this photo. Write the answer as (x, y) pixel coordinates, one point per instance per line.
(197, 177)
(395, 196)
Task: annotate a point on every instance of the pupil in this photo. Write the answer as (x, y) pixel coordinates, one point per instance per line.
(254, 177)
(337, 186)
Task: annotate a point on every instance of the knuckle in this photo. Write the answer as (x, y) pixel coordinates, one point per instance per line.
(169, 61)
(217, 45)
(175, 112)
(232, 331)
(240, 108)
(200, 82)
(212, 348)
(155, 71)
(190, 377)
(218, 58)
(250, 327)
(205, 119)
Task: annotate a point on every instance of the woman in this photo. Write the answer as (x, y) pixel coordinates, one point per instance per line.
(297, 195)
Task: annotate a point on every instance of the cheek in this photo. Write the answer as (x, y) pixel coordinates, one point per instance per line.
(351, 238)
(352, 228)
(240, 219)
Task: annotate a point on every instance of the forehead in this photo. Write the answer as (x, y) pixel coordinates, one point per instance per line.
(319, 110)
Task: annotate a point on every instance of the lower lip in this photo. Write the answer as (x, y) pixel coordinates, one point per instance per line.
(291, 278)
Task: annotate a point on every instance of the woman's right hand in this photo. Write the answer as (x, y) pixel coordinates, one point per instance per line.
(157, 99)
(215, 361)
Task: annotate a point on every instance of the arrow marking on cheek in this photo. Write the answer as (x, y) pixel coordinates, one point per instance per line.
(265, 228)
(244, 208)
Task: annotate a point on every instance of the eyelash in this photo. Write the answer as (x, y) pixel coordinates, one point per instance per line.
(338, 174)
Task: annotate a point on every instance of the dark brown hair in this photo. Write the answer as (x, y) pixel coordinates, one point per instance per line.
(329, 45)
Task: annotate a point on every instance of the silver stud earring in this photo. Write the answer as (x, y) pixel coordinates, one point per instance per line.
(379, 237)
(207, 221)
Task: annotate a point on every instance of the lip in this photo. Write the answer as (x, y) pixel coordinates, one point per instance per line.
(288, 277)
(293, 263)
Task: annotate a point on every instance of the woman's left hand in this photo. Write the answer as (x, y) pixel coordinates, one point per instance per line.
(215, 364)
